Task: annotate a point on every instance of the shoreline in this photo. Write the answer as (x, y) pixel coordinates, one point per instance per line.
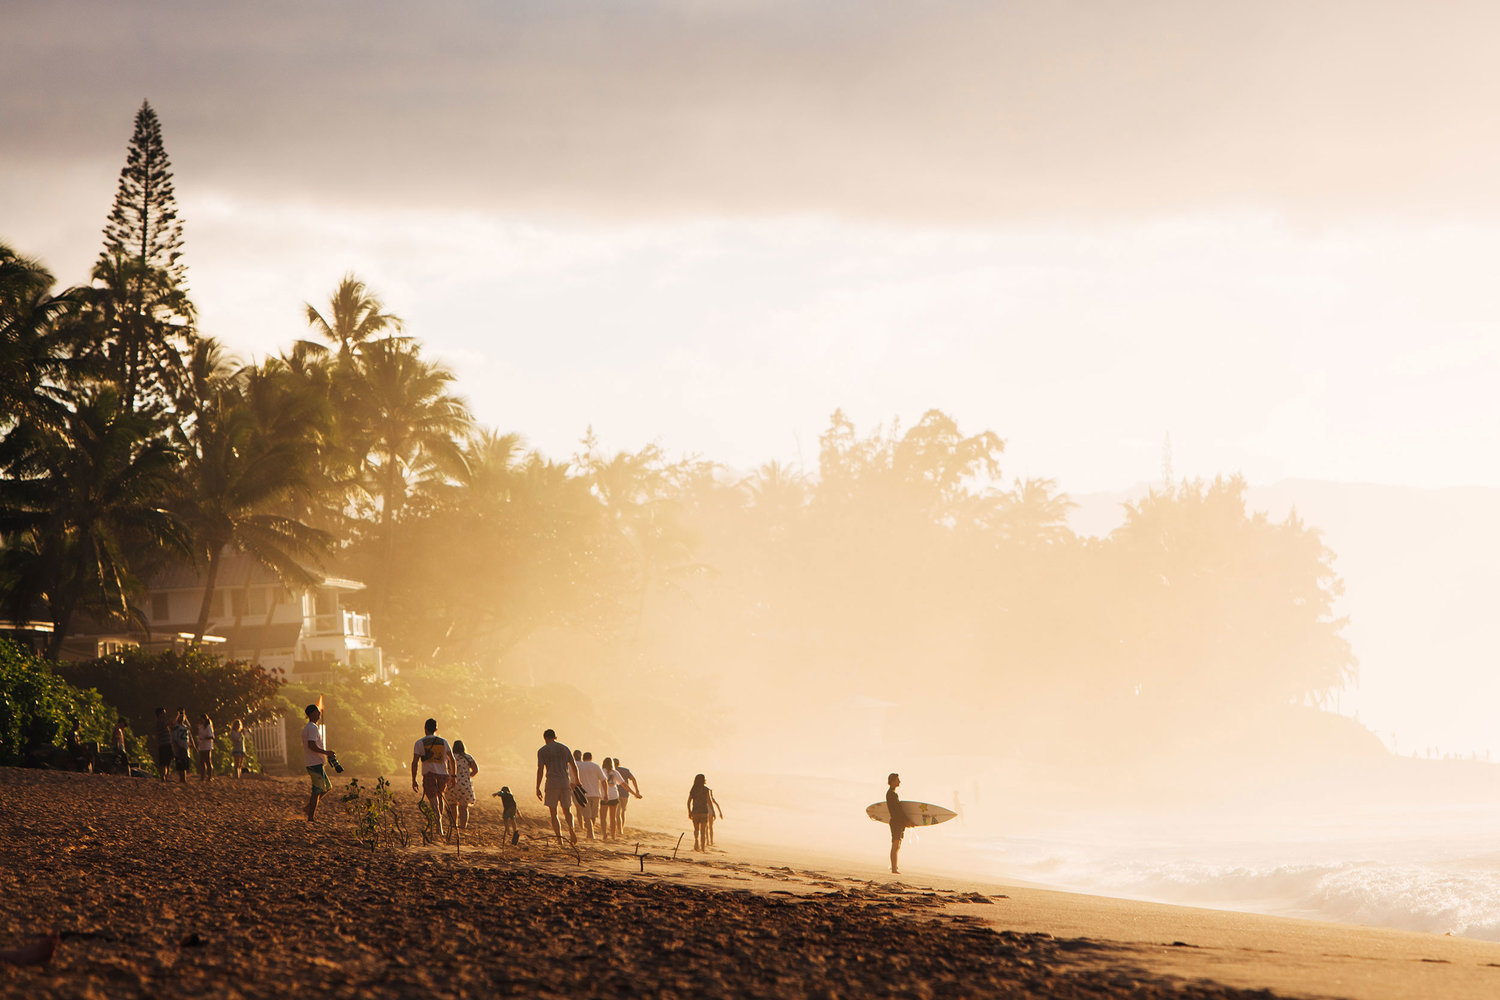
(223, 888)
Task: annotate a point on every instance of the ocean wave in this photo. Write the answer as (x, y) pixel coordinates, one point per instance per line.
(1437, 899)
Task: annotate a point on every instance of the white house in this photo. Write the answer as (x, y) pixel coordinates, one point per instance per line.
(258, 619)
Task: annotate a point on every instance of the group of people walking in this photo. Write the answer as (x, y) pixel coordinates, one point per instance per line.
(178, 740)
(600, 790)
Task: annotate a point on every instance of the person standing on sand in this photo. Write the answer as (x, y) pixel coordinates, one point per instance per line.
(163, 742)
(182, 741)
(314, 755)
(205, 748)
(591, 777)
(237, 745)
(898, 818)
(435, 757)
(562, 774)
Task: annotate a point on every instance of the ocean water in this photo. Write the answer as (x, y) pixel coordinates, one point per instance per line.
(1432, 869)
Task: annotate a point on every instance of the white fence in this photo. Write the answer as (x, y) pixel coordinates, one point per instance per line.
(269, 740)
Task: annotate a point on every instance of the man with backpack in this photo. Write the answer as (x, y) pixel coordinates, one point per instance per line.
(438, 768)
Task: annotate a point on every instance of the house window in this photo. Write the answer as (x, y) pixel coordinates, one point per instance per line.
(161, 607)
(239, 603)
(258, 601)
(109, 647)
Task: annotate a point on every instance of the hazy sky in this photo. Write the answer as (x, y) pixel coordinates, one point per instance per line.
(1268, 229)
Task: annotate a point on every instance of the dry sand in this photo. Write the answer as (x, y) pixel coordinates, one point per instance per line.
(222, 890)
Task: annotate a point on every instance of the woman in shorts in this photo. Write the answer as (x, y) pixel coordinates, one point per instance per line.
(700, 805)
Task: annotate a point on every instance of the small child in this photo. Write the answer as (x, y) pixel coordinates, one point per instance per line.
(237, 743)
(509, 814)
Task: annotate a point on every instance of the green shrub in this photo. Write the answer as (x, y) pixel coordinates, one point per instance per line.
(36, 706)
(137, 682)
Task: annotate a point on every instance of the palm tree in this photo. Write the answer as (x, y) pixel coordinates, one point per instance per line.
(78, 499)
(242, 465)
(408, 427)
(356, 318)
(1035, 513)
(34, 354)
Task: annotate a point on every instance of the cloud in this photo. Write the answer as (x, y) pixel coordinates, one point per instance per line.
(944, 111)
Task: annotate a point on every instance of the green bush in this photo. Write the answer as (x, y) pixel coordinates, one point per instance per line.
(366, 720)
(137, 682)
(36, 706)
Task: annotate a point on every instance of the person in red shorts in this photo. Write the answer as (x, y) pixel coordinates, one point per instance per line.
(438, 768)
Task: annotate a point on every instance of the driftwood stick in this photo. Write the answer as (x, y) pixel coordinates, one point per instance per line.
(679, 844)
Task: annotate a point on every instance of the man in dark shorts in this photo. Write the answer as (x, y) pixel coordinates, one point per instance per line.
(439, 768)
(556, 761)
(163, 742)
(898, 818)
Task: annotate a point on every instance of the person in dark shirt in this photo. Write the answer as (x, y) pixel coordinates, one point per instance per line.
(509, 814)
(898, 818)
(163, 742)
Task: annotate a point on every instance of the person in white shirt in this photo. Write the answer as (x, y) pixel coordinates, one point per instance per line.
(611, 801)
(438, 768)
(314, 755)
(591, 777)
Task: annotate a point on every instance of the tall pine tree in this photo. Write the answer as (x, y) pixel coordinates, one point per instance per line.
(141, 325)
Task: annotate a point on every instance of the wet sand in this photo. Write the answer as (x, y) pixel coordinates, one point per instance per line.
(223, 890)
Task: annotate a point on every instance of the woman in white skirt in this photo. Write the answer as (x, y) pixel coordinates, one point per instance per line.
(461, 795)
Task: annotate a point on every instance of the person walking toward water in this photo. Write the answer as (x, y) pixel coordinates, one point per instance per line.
(625, 792)
(898, 818)
(509, 814)
(611, 800)
(314, 755)
(591, 777)
(462, 795)
(556, 762)
(435, 757)
(701, 805)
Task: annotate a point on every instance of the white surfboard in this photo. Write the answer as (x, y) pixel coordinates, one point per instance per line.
(917, 813)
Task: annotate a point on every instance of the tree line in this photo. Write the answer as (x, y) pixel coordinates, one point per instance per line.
(131, 438)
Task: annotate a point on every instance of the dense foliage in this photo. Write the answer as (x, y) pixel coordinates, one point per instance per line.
(37, 707)
(905, 573)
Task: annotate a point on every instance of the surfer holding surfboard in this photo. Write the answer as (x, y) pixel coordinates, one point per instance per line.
(901, 814)
(898, 818)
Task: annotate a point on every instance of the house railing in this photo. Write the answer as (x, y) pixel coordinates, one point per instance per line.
(340, 623)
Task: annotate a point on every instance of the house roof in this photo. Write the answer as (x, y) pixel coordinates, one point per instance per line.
(236, 569)
(248, 638)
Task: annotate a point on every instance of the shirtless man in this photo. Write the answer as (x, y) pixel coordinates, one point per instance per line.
(898, 818)
(556, 761)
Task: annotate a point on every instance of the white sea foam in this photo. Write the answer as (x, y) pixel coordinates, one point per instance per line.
(1439, 876)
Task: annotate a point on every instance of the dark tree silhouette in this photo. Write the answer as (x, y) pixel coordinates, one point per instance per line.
(141, 321)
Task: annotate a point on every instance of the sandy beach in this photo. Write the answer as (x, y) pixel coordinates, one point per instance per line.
(223, 890)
